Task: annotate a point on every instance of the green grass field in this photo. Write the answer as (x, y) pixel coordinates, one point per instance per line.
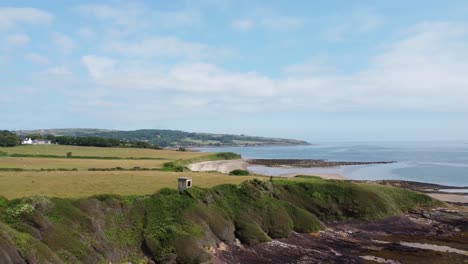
(80, 164)
(73, 184)
(83, 183)
(60, 150)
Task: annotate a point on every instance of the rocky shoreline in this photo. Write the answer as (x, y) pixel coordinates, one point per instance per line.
(450, 194)
(439, 235)
(310, 163)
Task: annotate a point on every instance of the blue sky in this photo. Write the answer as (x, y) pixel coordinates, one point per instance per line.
(316, 70)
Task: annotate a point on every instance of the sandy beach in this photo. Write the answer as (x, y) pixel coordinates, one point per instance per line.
(453, 198)
(226, 166)
(223, 166)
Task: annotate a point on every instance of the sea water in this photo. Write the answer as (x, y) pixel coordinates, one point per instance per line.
(444, 163)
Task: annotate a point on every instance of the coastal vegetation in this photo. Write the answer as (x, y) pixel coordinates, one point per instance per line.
(94, 141)
(169, 226)
(239, 172)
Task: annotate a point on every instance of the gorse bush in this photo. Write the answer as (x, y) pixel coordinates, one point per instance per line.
(239, 173)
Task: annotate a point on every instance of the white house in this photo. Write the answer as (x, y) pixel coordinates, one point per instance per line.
(27, 141)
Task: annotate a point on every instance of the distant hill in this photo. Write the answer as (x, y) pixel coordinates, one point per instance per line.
(170, 138)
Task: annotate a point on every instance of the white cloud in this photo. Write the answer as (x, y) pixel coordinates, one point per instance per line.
(359, 21)
(129, 17)
(58, 71)
(197, 78)
(424, 69)
(315, 65)
(17, 40)
(159, 47)
(64, 43)
(98, 67)
(173, 19)
(166, 47)
(282, 23)
(11, 17)
(268, 21)
(121, 18)
(85, 32)
(243, 25)
(37, 58)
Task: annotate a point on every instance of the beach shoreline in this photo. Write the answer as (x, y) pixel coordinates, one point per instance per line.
(226, 166)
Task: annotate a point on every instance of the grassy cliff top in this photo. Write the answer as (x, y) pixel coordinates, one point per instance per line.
(183, 227)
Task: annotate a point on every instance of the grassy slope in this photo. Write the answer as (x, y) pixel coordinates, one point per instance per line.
(182, 227)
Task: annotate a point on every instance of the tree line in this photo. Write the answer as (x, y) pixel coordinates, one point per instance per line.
(10, 139)
(92, 141)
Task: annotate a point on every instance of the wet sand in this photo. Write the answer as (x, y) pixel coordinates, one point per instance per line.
(453, 198)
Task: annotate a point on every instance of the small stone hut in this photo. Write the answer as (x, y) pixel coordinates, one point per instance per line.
(184, 183)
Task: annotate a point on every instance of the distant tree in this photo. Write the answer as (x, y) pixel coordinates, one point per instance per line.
(8, 139)
(35, 136)
(69, 154)
(50, 137)
(182, 149)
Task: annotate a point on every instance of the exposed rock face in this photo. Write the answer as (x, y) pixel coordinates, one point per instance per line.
(411, 238)
(8, 252)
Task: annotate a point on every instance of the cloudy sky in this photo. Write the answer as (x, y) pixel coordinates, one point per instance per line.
(316, 70)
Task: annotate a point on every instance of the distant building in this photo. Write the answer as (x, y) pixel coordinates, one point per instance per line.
(184, 183)
(29, 141)
(41, 142)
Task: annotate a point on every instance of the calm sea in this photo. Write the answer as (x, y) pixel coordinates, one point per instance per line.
(443, 163)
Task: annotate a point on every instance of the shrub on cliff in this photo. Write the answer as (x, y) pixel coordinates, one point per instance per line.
(239, 173)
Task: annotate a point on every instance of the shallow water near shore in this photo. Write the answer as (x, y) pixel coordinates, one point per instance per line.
(444, 163)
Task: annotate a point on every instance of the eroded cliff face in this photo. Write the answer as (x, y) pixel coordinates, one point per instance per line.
(186, 227)
(420, 236)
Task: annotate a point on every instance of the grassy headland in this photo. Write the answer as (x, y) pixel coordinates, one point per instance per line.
(170, 226)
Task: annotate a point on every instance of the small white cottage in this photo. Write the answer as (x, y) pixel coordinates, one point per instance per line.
(27, 141)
